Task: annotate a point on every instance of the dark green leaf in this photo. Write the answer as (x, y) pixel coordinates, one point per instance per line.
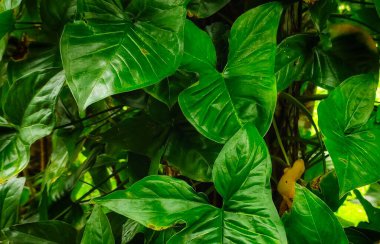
(221, 103)
(350, 133)
(321, 10)
(48, 232)
(372, 213)
(10, 195)
(242, 176)
(55, 14)
(311, 221)
(123, 53)
(98, 229)
(293, 56)
(205, 8)
(377, 5)
(130, 229)
(6, 16)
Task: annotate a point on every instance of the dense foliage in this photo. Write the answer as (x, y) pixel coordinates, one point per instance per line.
(179, 121)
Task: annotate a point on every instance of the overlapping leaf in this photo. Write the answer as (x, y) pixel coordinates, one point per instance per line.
(119, 49)
(311, 221)
(29, 110)
(205, 8)
(242, 177)
(351, 134)
(98, 228)
(221, 103)
(10, 194)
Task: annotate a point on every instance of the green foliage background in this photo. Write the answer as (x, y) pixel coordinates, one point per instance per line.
(171, 121)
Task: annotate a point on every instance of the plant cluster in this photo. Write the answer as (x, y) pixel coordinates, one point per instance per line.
(178, 121)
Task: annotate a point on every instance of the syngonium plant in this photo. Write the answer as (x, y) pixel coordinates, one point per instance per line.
(178, 121)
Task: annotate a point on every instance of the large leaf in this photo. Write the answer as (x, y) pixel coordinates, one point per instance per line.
(311, 221)
(128, 50)
(98, 228)
(242, 177)
(10, 194)
(205, 8)
(42, 232)
(292, 58)
(221, 103)
(351, 134)
(29, 109)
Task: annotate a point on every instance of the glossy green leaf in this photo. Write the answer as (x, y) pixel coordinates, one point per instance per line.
(137, 48)
(242, 176)
(42, 232)
(350, 133)
(98, 228)
(29, 108)
(293, 56)
(221, 103)
(205, 8)
(10, 195)
(311, 221)
(372, 212)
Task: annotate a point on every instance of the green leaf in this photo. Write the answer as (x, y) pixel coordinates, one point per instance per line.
(377, 5)
(350, 133)
(372, 213)
(55, 14)
(192, 154)
(242, 176)
(29, 109)
(221, 103)
(6, 16)
(321, 10)
(205, 8)
(311, 221)
(123, 53)
(49, 232)
(293, 56)
(10, 195)
(98, 228)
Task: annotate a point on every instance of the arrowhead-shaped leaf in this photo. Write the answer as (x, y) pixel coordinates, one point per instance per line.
(351, 134)
(242, 176)
(221, 103)
(130, 49)
(98, 228)
(10, 194)
(311, 221)
(29, 109)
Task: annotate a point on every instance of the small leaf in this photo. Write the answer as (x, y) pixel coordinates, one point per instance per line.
(98, 228)
(350, 133)
(51, 231)
(205, 8)
(10, 195)
(311, 221)
(127, 53)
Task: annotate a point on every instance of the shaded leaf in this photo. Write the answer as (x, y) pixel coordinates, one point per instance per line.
(350, 133)
(126, 51)
(98, 228)
(205, 8)
(372, 213)
(10, 195)
(6, 16)
(321, 10)
(311, 221)
(221, 103)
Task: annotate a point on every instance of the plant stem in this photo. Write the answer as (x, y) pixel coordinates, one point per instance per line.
(280, 142)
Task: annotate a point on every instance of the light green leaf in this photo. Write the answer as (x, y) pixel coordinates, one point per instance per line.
(293, 56)
(10, 195)
(350, 133)
(48, 232)
(29, 109)
(135, 49)
(311, 221)
(221, 103)
(205, 8)
(98, 228)
(248, 214)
